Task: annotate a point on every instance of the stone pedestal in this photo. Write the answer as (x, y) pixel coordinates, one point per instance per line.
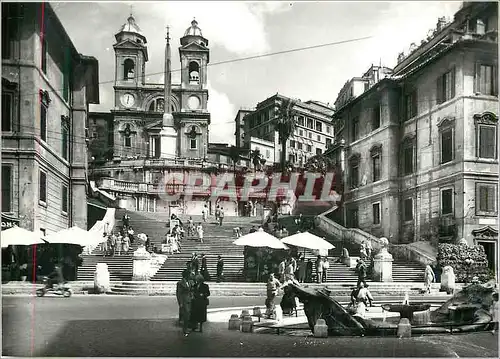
(421, 318)
(321, 329)
(101, 278)
(257, 312)
(448, 280)
(234, 322)
(382, 266)
(404, 328)
(247, 324)
(141, 265)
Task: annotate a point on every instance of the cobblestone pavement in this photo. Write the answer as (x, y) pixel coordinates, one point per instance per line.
(145, 326)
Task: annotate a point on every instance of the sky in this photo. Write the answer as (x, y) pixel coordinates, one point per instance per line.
(236, 30)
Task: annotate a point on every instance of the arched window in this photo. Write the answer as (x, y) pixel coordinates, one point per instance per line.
(128, 69)
(194, 73)
(158, 105)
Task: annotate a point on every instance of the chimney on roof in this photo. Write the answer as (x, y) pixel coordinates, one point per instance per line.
(441, 23)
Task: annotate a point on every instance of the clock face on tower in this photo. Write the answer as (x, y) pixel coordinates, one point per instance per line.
(128, 100)
(193, 103)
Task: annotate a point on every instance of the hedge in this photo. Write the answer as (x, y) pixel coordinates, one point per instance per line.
(467, 261)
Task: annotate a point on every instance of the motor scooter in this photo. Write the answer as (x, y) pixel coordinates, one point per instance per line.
(62, 289)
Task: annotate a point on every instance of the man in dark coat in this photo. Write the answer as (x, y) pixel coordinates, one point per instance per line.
(201, 292)
(195, 263)
(220, 269)
(361, 270)
(204, 268)
(184, 294)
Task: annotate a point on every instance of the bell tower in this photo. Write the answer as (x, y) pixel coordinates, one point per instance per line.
(131, 55)
(194, 117)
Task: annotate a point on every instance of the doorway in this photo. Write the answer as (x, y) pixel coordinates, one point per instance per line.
(490, 250)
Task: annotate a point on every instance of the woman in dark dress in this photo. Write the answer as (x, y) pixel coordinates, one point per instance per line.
(204, 268)
(201, 292)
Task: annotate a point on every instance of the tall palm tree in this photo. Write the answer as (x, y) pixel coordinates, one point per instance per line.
(256, 157)
(285, 125)
(236, 153)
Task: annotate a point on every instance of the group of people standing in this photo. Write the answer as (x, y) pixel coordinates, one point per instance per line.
(219, 214)
(192, 297)
(118, 244)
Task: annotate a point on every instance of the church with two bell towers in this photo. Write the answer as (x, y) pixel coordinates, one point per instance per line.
(153, 129)
(140, 108)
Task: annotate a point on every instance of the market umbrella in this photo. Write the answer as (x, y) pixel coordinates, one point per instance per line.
(16, 236)
(307, 240)
(75, 235)
(260, 239)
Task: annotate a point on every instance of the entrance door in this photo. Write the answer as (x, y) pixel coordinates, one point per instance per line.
(490, 250)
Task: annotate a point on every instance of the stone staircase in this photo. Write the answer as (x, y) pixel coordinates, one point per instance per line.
(401, 271)
(121, 266)
(217, 240)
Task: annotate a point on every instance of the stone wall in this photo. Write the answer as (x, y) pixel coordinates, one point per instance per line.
(355, 235)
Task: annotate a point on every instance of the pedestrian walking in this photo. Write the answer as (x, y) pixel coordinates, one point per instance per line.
(195, 263)
(281, 270)
(104, 246)
(204, 268)
(126, 220)
(318, 264)
(319, 270)
(204, 213)
(201, 292)
(113, 245)
(184, 294)
(221, 216)
(362, 250)
(289, 271)
(118, 244)
(273, 286)
(369, 249)
(126, 244)
(302, 270)
(220, 269)
(199, 229)
(309, 271)
(326, 266)
(429, 277)
(361, 271)
(217, 211)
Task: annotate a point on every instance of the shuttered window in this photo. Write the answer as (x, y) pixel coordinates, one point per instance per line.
(446, 87)
(487, 141)
(486, 199)
(447, 146)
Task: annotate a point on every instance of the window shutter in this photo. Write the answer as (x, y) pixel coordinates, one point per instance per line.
(477, 79)
(453, 70)
(491, 199)
(439, 90)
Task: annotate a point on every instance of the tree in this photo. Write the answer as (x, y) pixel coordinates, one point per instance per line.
(256, 158)
(285, 126)
(236, 153)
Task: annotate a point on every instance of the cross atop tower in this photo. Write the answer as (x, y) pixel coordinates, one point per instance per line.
(131, 9)
(168, 34)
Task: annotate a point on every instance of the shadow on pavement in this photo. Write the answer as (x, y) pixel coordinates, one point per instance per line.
(162, 337)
